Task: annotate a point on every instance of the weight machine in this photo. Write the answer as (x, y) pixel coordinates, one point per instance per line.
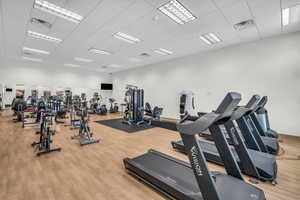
(134, 113)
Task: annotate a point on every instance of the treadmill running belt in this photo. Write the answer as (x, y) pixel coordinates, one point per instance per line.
(175, 178)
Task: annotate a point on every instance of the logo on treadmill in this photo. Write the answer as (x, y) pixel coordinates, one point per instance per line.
(195, 161)
(254, 196)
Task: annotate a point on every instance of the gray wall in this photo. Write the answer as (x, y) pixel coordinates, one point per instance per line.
(267, 67)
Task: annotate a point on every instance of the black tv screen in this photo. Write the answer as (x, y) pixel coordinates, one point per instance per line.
(106, 86)
(8, 89)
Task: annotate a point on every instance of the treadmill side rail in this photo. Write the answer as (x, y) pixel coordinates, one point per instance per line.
(202, 174)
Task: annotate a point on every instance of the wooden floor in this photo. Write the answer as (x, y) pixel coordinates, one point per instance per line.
(96, 171)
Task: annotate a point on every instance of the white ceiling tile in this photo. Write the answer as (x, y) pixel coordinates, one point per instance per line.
(226, 3)
(82, 7)
(267, 16)
(236, 12)
(141, 19)
(15, 17)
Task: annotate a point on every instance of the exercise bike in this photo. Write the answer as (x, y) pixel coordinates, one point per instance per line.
(84, 130)
(44, 144)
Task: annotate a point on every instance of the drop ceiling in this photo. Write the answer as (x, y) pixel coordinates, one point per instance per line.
(139, 18)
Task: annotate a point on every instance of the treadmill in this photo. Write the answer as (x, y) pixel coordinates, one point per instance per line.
(263, 118)
(253, 132)
(183, 181)
(257, 164)
(249, 129)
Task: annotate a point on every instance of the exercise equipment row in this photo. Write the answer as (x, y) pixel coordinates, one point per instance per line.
(181, 180)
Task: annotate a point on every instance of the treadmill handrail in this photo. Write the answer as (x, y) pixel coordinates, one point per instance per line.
(261, 104)
(240, 112)
(201, 124)
(253, 102)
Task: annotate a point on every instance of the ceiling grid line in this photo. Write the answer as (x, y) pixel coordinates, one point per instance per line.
(56, 17)
(251, 12)
(26, 29)
(226, 19)
(111, 19)
(85, 17)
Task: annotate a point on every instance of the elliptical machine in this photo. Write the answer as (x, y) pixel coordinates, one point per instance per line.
(187, 103)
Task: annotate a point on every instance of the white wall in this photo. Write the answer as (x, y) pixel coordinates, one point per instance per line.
(267, 67)
(44, 77)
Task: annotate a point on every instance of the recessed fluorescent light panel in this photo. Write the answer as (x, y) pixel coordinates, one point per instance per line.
(127, 38)
(285, 16)
(26, 49)
(32, 59)
(71, 65)
(43, 37)
(57, 11)
(163, 52)
(210, 38)
(290, 15)
(98, 51)
(177, 12)
(83, 60)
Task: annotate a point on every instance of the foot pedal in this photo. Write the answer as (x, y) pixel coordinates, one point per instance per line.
(84, 142)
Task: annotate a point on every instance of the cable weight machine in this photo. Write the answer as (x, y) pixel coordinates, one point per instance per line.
(134, 113)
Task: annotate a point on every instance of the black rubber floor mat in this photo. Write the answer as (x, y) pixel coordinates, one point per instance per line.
(118, 124)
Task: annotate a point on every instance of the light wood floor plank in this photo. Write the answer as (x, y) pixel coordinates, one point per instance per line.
(96, 171)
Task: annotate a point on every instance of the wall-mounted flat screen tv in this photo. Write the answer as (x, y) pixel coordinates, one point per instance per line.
(106, 86)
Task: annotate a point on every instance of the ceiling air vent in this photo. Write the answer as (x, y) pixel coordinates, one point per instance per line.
(27, 53)
(145, 55)
(244, 25)
(40, 22)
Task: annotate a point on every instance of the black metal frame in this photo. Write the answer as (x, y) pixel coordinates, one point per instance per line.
(134, 114)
